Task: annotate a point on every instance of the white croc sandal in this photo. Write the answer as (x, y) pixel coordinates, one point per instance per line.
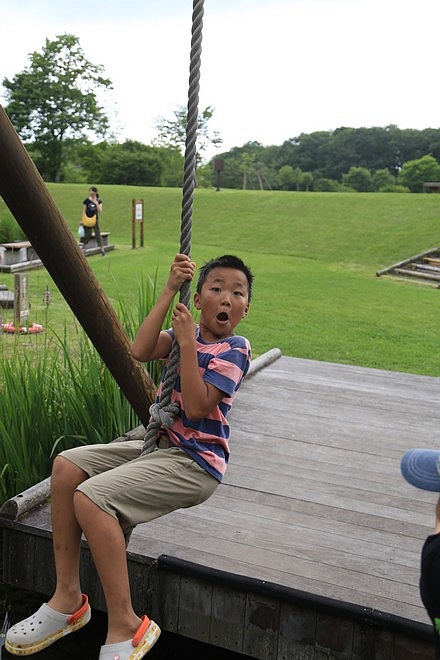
(44, 628)
(134, 649)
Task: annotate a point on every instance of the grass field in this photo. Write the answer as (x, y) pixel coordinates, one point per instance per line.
(314, 257)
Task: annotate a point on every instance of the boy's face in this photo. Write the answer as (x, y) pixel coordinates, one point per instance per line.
(223, 302)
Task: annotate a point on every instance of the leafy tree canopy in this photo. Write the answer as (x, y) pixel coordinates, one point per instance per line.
(54, 98)
(358, 178)
(418, 171)
(172, 132)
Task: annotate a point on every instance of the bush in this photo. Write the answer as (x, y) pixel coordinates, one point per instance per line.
(395, 189)
(330, 185)
(10, 231)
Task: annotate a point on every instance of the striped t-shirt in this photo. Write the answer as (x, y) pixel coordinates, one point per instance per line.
(222, 364)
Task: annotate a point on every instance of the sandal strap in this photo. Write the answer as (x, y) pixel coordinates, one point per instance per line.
(73, 618)
(140, 632)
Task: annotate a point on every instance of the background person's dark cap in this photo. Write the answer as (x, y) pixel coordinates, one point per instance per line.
(421, 468)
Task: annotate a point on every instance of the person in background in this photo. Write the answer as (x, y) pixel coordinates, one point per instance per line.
(92, 205)
(421, 468)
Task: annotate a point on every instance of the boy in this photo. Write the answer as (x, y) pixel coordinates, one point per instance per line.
(105, 490)
(421, 468)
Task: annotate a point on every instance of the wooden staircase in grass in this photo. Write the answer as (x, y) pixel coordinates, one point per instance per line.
(423, 267)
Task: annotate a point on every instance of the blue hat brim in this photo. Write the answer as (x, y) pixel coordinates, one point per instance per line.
(421, 468)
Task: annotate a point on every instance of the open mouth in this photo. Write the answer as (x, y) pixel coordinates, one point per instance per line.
(222, 317)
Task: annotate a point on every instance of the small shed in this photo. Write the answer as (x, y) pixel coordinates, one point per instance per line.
(432, 186)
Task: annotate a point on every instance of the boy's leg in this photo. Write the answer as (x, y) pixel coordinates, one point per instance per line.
(66, 535)
(71, 469)
(107, 545)
(53, 620)
(136, 492)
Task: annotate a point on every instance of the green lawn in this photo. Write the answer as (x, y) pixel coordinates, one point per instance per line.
(314, 257)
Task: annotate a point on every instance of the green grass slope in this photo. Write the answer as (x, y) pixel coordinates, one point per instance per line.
(314, 257)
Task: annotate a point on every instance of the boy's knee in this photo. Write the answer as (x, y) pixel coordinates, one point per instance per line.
(65, 472)
(81, 501)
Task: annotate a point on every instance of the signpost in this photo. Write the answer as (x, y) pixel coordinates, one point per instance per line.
(137, 206)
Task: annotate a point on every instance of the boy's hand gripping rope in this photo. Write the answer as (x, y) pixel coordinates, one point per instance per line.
(163, 412)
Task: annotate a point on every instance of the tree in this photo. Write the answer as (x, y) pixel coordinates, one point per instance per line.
(172, 132)
(131, 163)
(247, 166)
(383, 179)
(54, 99)
(307, 180)
(358, 178)
(286, 177)
(415, 172)
(290, 178)
(330, 185)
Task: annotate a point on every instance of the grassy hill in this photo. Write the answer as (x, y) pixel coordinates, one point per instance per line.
(314, 256)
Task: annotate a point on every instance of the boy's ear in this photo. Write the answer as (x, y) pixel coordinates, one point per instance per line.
(246, 311)
(196, 301)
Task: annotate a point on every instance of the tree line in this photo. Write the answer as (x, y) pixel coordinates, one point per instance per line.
(362, 159)
(53, 105)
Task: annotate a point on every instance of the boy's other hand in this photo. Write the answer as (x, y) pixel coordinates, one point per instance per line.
(182, 270)
(183, 324)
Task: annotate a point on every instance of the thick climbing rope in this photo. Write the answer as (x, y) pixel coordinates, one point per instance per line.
(163, 412)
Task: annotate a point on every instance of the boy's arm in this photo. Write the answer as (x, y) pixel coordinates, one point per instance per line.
(199, 397)
(151, 342)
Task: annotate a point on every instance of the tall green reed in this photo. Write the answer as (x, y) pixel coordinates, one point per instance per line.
(132, 315)
(60, 394)
(51, 402)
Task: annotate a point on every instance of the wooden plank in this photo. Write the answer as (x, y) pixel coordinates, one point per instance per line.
(169, 587)
(297, 633)
(195, 600)
(324, 565)
(430, 267)
(261, 628)
(228, 618)
(416, 273)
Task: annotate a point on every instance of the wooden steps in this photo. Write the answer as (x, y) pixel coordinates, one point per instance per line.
(424, 267)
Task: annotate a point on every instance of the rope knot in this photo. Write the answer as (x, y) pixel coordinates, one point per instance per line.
(164, 415)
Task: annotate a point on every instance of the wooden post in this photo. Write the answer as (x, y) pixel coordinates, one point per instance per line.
(137, 217)
(21, 299)
(219, 165)
(28, 199)
(133, 224)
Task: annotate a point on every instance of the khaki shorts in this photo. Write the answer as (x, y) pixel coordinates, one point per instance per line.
(135, 489)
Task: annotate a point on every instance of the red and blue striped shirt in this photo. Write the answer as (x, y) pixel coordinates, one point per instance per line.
(222, 364)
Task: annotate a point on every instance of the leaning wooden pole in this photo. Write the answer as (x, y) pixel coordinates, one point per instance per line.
(27, 197)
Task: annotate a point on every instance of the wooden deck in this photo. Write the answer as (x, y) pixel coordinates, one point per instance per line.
(313, 500)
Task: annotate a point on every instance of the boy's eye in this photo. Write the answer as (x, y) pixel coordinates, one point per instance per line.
(215, 288)
(238, 293)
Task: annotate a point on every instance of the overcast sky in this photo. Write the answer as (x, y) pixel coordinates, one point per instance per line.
(271, 69)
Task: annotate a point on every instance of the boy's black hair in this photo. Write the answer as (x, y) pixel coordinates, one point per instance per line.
(226, 261)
